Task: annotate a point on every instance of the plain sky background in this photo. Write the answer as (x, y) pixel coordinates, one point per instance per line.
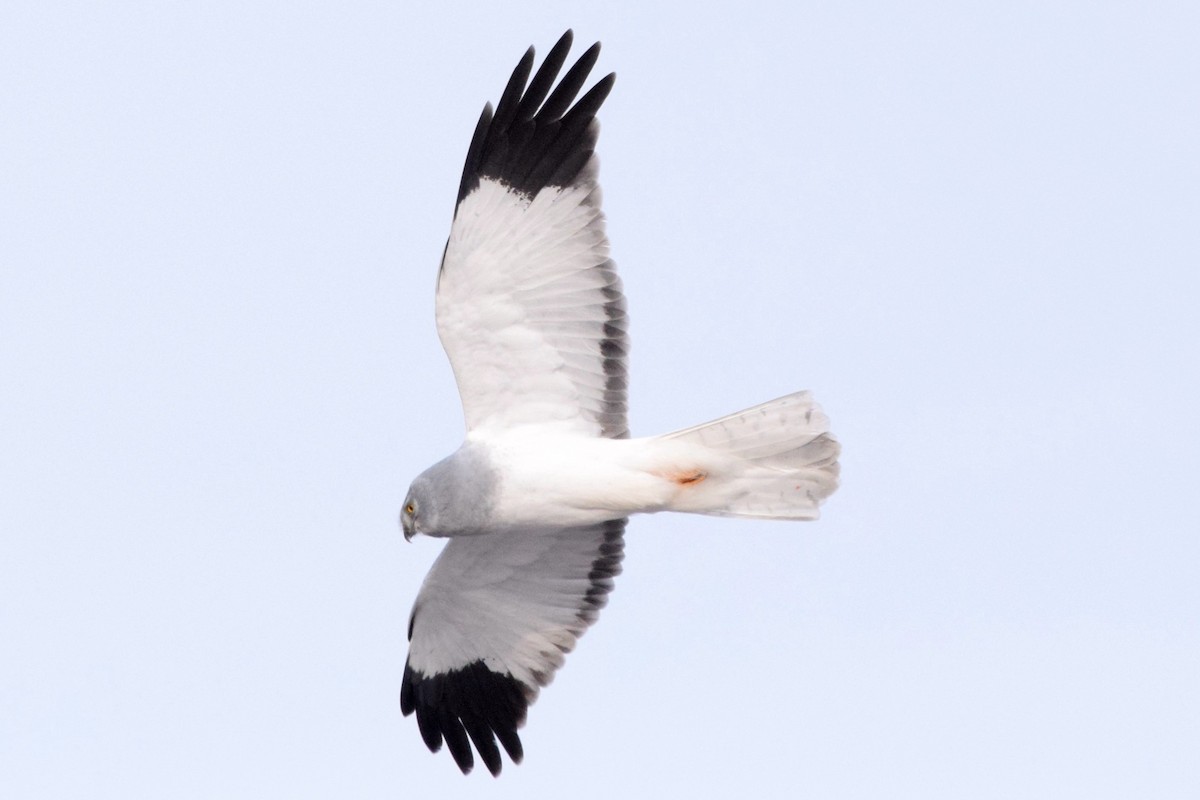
(972, 229)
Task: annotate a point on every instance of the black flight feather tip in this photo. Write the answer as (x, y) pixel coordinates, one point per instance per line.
(472, 702)
(532, 141)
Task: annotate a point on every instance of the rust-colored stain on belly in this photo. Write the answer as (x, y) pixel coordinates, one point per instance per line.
(689, 478)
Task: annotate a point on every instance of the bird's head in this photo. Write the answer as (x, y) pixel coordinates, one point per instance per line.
(453, 497)
(408, 515)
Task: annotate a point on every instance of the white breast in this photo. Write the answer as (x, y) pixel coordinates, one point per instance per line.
(556, 476)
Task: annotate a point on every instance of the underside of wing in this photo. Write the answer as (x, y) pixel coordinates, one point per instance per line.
(492, 623)
(530, 308)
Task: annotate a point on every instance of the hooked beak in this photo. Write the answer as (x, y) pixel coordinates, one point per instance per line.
(409, 529)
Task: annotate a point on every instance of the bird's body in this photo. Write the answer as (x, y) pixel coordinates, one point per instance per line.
(551, 475)
(567, 479)
(532, 315)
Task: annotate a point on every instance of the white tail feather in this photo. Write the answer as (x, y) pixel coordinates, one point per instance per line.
(777, 460)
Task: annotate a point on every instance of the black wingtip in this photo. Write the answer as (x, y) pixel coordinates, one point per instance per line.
(543, 81)
(506, 109)
(536, 138)
(471, 705)
(560, 99)
(470, 175)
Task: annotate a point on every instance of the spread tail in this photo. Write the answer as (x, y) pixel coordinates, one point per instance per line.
(777, 460)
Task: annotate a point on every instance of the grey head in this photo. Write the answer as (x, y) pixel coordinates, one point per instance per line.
(453, 497)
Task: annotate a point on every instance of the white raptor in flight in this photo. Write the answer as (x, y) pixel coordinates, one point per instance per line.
(531, 313)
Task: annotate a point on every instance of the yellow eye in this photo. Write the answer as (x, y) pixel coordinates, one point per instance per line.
(409, 509)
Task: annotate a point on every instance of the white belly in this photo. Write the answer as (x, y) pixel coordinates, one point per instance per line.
(552, 478)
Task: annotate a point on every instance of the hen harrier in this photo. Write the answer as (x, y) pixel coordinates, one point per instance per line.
(531, 313)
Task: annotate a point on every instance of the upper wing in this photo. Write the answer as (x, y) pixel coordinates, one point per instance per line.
(529, 306)
(491, 624)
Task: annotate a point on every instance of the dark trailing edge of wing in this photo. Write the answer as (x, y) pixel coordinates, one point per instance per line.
(529, 144)
(476, 705)
(605, 567)
(614, 350)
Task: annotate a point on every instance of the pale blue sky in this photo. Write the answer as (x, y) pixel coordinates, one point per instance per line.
(973, 232)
